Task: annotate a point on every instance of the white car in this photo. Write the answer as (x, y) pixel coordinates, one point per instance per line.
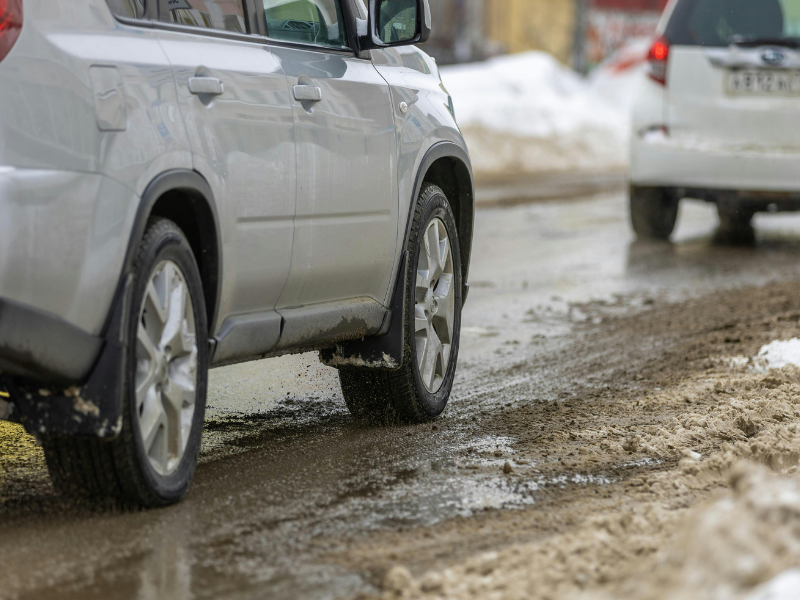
(717, 119)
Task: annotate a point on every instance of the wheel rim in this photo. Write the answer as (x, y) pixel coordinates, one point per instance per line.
(166, 368)
(435, 307)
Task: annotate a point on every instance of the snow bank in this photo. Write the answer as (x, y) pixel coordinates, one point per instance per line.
(779, 354)
(785, 586)
(656, 541)
(529, 94)
(528, 113)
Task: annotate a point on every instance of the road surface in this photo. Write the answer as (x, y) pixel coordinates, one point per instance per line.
(568, 320)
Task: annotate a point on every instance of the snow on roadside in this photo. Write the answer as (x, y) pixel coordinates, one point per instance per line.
(779, 354)
(739, 434)
(785, 586)
(527, 113)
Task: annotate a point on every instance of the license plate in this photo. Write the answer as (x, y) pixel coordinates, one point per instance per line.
(763, 82)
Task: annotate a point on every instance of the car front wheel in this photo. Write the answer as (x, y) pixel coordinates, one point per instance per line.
(419, 390)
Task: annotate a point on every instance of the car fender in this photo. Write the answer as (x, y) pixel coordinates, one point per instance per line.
(387, 349)
(94, 407)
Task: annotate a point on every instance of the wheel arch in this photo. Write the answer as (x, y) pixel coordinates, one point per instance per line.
(185, 198)
(448, 166)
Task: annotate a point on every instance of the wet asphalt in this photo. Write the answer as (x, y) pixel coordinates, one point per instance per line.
(288, 480)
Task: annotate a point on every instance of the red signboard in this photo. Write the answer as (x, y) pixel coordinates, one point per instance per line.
(612, 24)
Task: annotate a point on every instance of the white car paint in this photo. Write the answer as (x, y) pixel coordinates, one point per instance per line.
(693, 133)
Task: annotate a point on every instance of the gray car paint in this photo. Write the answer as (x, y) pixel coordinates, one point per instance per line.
(346, 202)
(243, 145)
(71, 180)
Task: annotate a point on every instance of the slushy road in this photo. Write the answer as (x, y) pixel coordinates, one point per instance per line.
(293, 499)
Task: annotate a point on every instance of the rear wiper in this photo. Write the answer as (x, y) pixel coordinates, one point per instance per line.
(755, 42)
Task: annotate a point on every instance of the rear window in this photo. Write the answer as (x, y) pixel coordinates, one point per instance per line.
(722, 22)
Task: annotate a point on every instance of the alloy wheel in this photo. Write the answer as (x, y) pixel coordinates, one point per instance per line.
(435, 305)
(166, 368)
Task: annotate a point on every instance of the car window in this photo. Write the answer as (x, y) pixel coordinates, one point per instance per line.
(133, 9)
(721, 22)
(317, 22)
(227, 15)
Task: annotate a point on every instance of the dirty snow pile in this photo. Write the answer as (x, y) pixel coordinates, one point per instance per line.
(779, 354)
(736, 433)
(527, 113)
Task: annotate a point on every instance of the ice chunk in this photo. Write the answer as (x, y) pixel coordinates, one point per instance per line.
(779, 354)
(785, 586)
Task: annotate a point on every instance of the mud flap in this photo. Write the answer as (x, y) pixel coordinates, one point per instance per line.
(382, 351)
(93, 408)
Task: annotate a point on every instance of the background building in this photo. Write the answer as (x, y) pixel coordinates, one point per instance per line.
(609, 24)
(581, 33)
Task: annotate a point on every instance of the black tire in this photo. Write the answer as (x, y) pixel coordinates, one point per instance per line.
(399, 396)
(118, 470)
(654, 212)
(735, 224)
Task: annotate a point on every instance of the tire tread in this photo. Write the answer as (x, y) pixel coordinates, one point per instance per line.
(389, 397)
(106, 469)
(654, 212)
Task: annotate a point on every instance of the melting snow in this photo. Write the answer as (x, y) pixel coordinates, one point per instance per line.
(562, 119)
(779, 354)
(785, 586)
(531, 94)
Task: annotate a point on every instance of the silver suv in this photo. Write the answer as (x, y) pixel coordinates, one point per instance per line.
(186, 184)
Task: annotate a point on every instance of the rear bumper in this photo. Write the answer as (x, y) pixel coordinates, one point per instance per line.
(41, 346)
(63, 241)
(661, 161)
(61, 380)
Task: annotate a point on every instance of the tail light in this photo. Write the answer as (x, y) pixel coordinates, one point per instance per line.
(10, 25)
(658, 57)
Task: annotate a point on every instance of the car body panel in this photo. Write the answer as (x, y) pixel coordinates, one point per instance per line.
(413, 78)
(71, 190)
(98, 125)
(692, 134)
(60, 248)
(243, 144)
(346, 196)
(664, 161)
(699, 106)
(695, 133)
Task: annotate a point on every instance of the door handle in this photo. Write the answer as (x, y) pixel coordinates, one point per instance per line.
(307, 92)
(206, 85)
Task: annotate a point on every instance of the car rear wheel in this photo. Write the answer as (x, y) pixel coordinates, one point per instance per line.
(654, 212)
(152, 461)
(419, 390)
(735, 224)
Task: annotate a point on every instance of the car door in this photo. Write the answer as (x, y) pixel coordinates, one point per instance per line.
(235, 102)
(346, 216)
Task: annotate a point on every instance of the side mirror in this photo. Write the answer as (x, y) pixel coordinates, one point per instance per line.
(396, 23)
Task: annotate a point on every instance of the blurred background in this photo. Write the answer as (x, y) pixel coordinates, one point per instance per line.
(543, 87)
(579, 33)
